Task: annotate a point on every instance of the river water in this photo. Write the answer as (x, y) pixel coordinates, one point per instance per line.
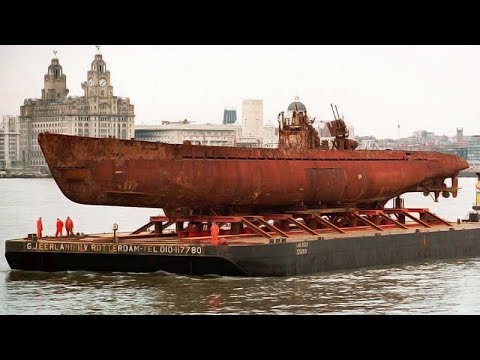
(439, 287)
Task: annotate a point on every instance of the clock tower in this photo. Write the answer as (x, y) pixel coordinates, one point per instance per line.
(108, 115)
(98, 79)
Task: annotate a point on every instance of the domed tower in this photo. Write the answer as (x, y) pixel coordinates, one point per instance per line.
(98, 82)
(108, 115)
(297, 106)
(55, 82)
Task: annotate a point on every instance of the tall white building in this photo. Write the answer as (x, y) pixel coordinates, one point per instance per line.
(252, 118)
(9, 141)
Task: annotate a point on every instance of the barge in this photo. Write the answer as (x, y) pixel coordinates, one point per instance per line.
(249, 254)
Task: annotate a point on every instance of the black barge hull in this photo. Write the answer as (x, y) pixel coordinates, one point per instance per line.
(307, 255)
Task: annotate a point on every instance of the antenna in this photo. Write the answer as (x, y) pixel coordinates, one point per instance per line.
(334, 116)
(98, 47)
(55, 53)
(337, 111)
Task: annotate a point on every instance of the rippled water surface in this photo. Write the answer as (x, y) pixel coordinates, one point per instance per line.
(440, 287)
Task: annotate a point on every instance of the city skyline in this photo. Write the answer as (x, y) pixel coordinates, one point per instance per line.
(375, 87)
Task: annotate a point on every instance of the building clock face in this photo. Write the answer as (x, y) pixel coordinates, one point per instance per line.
(102, 82)
(90, 82)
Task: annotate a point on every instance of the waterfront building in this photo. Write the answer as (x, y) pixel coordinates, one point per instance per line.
(178, 132)
(473, 147)
(98, 113)
(9, 141)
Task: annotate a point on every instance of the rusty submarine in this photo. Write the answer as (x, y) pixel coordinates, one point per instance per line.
(302, 173)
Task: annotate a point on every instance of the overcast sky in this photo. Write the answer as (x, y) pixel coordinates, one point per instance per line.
(435, 88)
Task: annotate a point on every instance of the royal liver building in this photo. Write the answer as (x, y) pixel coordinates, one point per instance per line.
(96, 114)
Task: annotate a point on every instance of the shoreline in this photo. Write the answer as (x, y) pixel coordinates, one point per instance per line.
(26, 176)
(468, 173)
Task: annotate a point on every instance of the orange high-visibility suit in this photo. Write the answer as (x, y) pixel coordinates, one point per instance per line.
(69, 226)
(214, 230)
(59, 228)
(39, 228)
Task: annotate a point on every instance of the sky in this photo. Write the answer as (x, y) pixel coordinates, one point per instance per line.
(376, 88)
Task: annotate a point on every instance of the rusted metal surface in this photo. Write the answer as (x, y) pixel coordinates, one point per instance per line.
(188, 180)
(204, 180)
(297, 132)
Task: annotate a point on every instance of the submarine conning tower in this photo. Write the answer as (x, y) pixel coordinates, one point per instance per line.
(296, 131)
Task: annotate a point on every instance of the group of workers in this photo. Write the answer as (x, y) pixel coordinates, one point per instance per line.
(68, 227)
(214, 230)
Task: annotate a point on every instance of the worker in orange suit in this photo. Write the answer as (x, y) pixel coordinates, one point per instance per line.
(39, 227)
(69, 226)
(214, 230)
(59, 227)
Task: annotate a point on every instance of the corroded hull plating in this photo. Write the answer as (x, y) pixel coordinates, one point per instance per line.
(190, 178)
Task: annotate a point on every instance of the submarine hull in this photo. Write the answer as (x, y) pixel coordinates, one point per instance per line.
(192, 178)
